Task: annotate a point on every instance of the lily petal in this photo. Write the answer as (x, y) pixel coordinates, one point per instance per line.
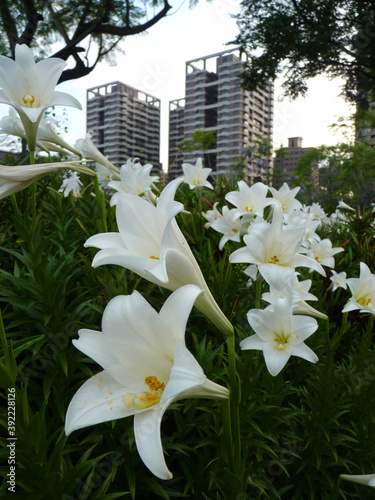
(275, 360)
(63, 99)
(252, 342)
(105, 240)
(127, 320)
(303, 351)
(182, 271)
(275, 275)
(98, 400)
(366, 479)
(94, 345)
(177, 309)
(186, 374)
(148, 440)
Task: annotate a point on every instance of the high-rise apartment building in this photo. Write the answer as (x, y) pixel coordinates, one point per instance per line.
(288, 161)
(285, 163)
(124, 122)
(215, 101)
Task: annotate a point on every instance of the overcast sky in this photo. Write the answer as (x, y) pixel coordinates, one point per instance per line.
(155, 63)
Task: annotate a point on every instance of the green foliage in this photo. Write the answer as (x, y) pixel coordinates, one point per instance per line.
(307, 38)
(201, 140)
(279, 175)
(329, 174)
(299, 430)
(254, 161)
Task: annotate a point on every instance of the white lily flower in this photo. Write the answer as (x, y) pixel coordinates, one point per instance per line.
(88, 150)
(344, 206)
(338, 280)
(280, 334)
(252, 272)
(299, 218)
(47, 139)
(49, 147)
(211, 215)
(196, 175)
(146, 367)
(71, 184)
(151, 244)
(366, 479)
(317, 211)
(14, 179)
(229, 225)
(12, 125)
(135, 179)
(286, 197)
(337, 217)
(104, 175)
(297, 292)
(275, 249)
(250, 200)
(29, 87)
(323, 252)
(46, 133)
(363, 291)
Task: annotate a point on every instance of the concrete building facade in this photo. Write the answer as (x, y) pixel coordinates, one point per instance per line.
(215, 101)
(291, 156)
(284, 165)
(124, 122)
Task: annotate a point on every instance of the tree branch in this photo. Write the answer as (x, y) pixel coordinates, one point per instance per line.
(9, 26)
(33, 18)
(96, 27)
(30, 29)
(133, 30)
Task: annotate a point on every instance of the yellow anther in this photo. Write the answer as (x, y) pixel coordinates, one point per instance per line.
(196, 182)
(366, 302)
(28, 100)
(234, 230)
(153, 257)
(154, 384)
(273, 260)
(248, 209)
(281, 339)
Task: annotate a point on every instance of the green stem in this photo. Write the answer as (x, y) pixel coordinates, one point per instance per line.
(32, 157)
(258, 293)
(198, 193)
(33, 186)
(101, 205)
(228, 433)
(234, 405)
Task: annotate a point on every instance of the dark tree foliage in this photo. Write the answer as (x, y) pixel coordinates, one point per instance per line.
(306, 38)
(74, 29)
(329, 174)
